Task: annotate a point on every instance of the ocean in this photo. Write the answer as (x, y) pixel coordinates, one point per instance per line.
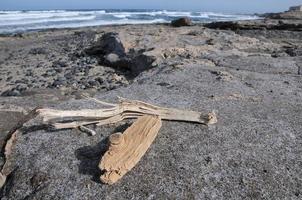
(21, 21)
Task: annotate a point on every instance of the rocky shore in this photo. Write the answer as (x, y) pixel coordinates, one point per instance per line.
(249, 71)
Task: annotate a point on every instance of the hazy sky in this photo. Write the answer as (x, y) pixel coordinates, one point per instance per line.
(235, 6)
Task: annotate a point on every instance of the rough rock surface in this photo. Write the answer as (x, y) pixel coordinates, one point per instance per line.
(107, 44)
(296, 15)
(248, 76)
(111, 52)
(184, 21)
(289, 20)
(265, 24)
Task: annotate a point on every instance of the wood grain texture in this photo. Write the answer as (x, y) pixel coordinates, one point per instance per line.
(125, 150)
(126, 109)
(8, 167)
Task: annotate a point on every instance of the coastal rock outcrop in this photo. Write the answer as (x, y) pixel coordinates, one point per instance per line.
(184, 21)
(266, 24)
(285, 15)
(294, 13)
(107, 44)
(110, 51)
(289, 20)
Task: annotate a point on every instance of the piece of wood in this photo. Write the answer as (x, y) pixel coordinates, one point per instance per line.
(7, 168)
(126, 109)
(87, 130)
(125, 150)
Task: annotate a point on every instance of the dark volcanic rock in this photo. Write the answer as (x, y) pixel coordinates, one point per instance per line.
(107, 44)
(60, 81)
(59, 63)
(267, 24)
(289, 20)
(294, 52)
(111, 52)
(225, 25)
(10, 93)
(16, 91)
(141, 63)
(296, 15)
(49, 72)
(184, 21)
(21, 87)
(9, 78)
(39, 50)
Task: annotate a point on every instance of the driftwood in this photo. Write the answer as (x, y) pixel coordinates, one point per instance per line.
(7, 168)
(125, 150)
(87, 130)
(136, 139)
(126, 109)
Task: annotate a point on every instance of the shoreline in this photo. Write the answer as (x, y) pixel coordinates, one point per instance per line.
(76, 28)
(31, 20)
(90, 33)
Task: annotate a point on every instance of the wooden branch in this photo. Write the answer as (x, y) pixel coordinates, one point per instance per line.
(126, 109)
(7, 168)
(87, 130)
(126, 150)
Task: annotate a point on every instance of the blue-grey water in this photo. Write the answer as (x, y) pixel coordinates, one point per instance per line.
(20, 21)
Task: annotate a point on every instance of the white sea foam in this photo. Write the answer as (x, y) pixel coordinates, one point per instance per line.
(84, 24)
(12, 21)
(37, 21)
(122, 15)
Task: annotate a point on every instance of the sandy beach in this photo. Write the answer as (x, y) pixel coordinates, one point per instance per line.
(250, 72)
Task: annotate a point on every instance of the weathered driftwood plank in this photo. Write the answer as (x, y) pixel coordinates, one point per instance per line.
(125, 150)
(7, 168)
(126, 109)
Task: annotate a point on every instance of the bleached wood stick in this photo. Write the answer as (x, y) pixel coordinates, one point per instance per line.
(7, 167)
(5, 171)
(87, 130)
(110, 120)
(126, 109)
(126, 150)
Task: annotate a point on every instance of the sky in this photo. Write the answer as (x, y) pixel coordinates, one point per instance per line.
(232, 6)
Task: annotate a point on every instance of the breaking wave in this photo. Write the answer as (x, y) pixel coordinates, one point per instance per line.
(15, 21)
